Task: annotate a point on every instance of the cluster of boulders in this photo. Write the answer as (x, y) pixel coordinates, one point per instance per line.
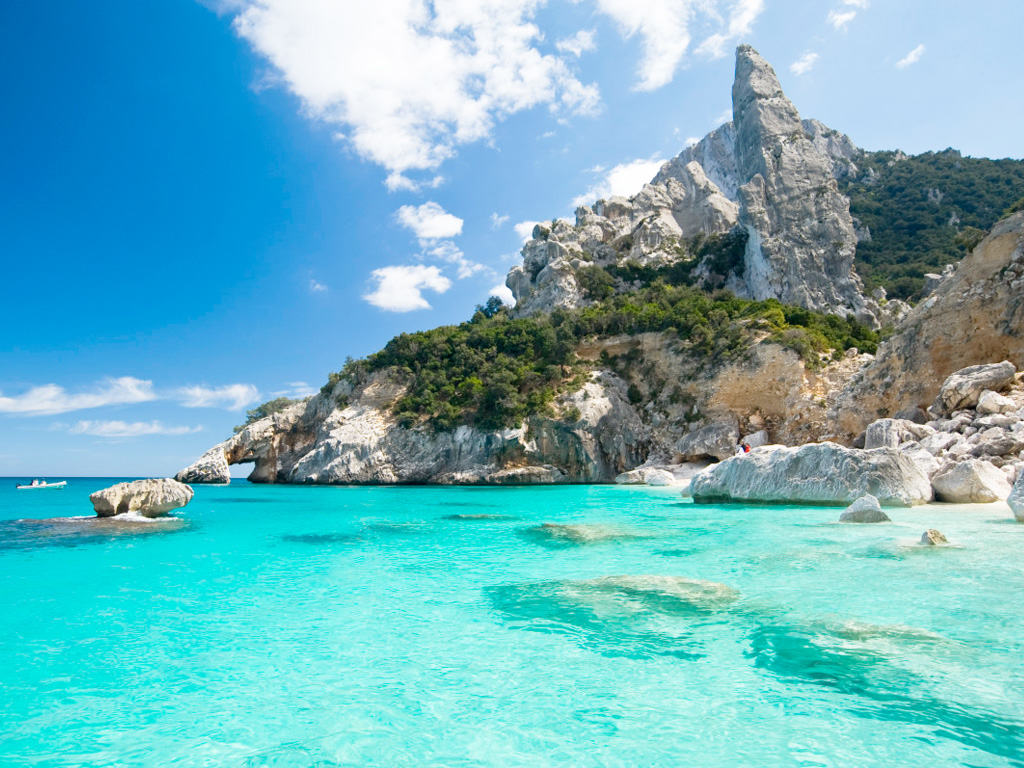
(972, 450)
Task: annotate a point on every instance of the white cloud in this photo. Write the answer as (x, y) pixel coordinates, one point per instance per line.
(498, 221)
(400, 288)
(397, 182)
(911, 58)
(804, 64)
(49, 399)
(429, 221)
(691, 140)
(839, 19)
(624, 179)
(448, 252)
(503, 292)
(741, 19)
(525, 229)
(857, 3)
(315, 286)
(295, 390)
(408, 81)
(128, 429)
(233, 397)
(578, 44)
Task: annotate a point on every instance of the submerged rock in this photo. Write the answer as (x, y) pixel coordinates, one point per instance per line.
(971, 482)
(211, 467)
(932, 537)
(146, 498)
(563, 534)
(817, 473)
(864, 510)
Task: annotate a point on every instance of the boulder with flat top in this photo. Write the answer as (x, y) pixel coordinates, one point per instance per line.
(145, 498)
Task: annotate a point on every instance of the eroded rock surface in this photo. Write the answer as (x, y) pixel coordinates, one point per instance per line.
(866, 509)
(818, 473)
(146, 498)
(211, 467)
(971, 482)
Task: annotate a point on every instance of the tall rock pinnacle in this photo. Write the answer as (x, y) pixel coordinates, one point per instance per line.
(801, 240)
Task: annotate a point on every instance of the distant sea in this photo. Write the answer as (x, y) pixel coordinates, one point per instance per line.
(411, 626)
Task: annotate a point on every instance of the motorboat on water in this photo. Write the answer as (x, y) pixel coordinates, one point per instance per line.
(41, 484)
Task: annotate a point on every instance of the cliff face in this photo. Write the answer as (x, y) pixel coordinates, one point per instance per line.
(975, 316)
(767, 172)
(594, 433)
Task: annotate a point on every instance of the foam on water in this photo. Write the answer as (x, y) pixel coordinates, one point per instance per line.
(583, 626)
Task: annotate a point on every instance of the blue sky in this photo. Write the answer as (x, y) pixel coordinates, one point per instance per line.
(204, 205)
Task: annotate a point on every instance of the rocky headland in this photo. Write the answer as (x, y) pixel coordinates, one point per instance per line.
(722, 303)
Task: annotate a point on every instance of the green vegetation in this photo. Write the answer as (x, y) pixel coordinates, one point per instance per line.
(926, 211)
(495, 370)
(264, 410)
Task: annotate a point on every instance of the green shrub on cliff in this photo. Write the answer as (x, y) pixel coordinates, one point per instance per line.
(495, 370)
(266, 409)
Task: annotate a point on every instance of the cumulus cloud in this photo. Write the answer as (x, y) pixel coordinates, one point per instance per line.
(741, 20)
(429, 221)
(804, 64)
(839, 19)
(400, 288)
(49, 399)
(315, 286)
(406, 81)
(450, 253)
(499, 220)
(504, 293)
(911, 58)
(128, 429)
(624, 179)
(233, 397)
(296, 390)
(578, 44)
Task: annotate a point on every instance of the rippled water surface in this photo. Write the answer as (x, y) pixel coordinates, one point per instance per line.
(593, 625)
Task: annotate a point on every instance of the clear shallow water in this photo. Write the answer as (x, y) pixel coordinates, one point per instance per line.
(446, 626)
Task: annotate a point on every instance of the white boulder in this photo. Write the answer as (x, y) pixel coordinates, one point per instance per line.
(817, 473)
(890, 433)
(146, 498)
(211, 467)
(866, 509)
(933, 538)
(990, 402)
(971, 482)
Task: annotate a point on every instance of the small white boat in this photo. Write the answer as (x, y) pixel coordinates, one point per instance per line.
(41, 484)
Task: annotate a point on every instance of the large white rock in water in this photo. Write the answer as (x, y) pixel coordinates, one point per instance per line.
(148, 498)
(971, 482)
(1016, 498)
(963, 388)
(866, 509)
(211, 467)
(817, 473)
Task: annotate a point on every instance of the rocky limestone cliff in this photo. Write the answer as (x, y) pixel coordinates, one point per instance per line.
(643, 396)
(975, 316)
(767, 172)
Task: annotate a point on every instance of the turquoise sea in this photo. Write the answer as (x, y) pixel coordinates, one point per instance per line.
(417, 626)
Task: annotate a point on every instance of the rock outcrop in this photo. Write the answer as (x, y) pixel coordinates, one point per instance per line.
(932, 538)
(766, 174)
(817, 473)
(145, 498)
(964, 388)
(866, 509)
(974, 317)
(210, 468)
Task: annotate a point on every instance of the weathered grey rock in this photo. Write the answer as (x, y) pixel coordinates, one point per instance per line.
(544, 475)
(932, 538)
(914, 413)
(646, 476)
(939, 442)
(990, 402)
(971, 482)
(1016, 498)
(211, 467)
(801, 237)
(717, 441)
(818, 473)
(756, 439)
(963, 388)
(866, 509)
(922, 457)
(975, 317)
(891, 433)
(145, 498)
